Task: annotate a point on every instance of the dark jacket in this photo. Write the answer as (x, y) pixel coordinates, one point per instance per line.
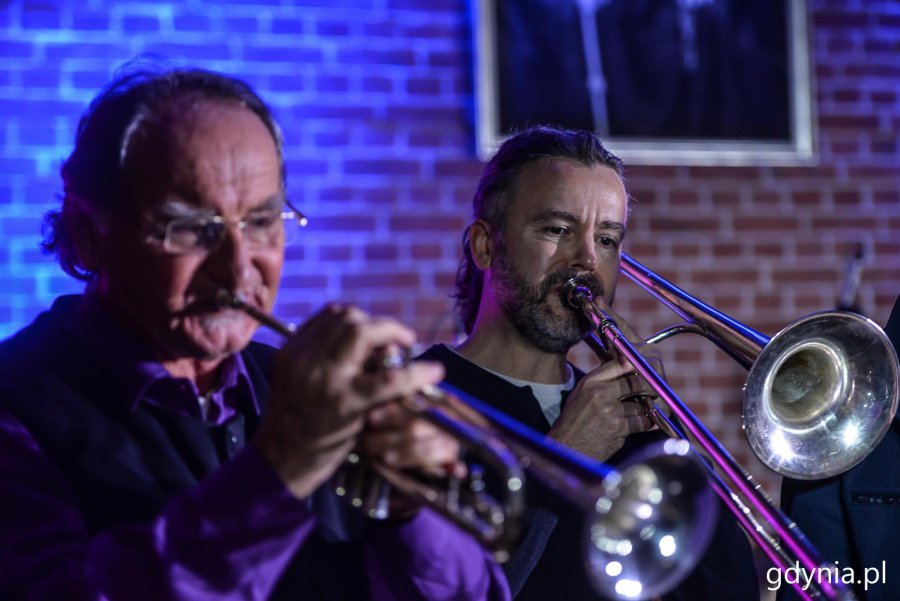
(125, 463)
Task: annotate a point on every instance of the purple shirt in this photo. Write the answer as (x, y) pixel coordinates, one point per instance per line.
(230, 537)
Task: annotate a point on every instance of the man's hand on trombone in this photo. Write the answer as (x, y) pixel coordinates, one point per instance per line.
(602, 411)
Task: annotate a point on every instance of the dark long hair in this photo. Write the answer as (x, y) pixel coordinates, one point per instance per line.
(497, 188)
(93, 174)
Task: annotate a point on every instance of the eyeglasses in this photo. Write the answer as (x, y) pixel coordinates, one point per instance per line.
(185, 235)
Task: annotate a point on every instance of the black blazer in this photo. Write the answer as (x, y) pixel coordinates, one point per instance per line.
(124, 465)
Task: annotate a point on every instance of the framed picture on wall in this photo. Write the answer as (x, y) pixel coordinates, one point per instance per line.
(703, 82)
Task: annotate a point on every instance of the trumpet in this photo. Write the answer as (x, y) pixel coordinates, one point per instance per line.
(647, 523)
(819, 396)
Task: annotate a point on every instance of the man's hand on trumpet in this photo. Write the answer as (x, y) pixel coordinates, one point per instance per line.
(395, 439)
(323, 390)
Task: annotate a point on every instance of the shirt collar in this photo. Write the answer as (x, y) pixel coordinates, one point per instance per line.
(138, 377)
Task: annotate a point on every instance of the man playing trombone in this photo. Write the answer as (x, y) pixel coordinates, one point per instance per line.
(552, 205)
(150, 451)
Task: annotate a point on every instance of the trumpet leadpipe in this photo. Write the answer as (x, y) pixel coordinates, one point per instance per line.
(647, 523)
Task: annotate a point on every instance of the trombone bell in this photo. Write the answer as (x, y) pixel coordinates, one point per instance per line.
(821, 395)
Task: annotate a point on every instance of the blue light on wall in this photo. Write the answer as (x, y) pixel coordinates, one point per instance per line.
(349, 81)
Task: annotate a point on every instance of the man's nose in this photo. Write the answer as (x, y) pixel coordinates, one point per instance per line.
(233, 259)
(584, 254)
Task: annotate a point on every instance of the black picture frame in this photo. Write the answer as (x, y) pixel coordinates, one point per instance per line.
(697, 82)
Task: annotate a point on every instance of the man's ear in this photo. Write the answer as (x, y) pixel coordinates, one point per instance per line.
(86, 230)
(481, 244)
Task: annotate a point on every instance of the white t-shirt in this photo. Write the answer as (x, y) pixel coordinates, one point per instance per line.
(549, 396)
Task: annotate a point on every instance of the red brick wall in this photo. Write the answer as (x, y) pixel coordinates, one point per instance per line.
(376, 100)
(767, 245)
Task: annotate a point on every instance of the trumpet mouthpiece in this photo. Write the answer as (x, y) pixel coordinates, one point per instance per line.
(227, 299)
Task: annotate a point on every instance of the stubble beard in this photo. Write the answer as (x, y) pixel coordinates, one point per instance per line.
(529, 307)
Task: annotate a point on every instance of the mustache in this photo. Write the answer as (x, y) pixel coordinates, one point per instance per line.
(206, 303)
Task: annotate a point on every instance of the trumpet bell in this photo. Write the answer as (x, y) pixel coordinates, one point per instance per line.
(821, 395)
(652, 523)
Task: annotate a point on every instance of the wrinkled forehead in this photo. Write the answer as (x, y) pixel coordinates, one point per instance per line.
(200, 150)
(566, 184)
(160, 129)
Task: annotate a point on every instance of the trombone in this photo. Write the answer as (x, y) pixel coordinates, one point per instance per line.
(819, 389)
(647, 524)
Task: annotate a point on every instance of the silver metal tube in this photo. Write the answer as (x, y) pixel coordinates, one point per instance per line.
(636, 516)
(579, 295)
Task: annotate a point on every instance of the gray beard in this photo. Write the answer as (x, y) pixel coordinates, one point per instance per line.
(528, 307)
